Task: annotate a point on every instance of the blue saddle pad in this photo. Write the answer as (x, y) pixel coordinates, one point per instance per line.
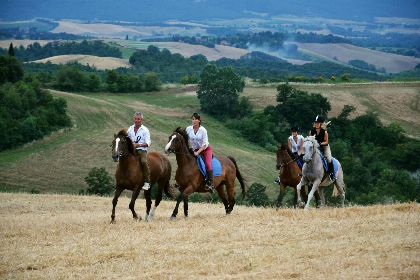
(299, 163)
(325, 163)
(217, 167)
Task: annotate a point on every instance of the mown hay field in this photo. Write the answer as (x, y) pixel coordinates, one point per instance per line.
(101, 63)
(69, 237)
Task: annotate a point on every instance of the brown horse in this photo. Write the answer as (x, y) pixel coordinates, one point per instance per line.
(129, 175)
(289, 174)
(191, 180)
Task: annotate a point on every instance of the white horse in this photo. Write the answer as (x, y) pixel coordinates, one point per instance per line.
(313, 172)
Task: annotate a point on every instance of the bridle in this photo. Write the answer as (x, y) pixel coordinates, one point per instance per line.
(314, 149)
(170, 150)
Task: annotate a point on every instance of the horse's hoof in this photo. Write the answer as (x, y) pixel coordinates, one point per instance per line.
(173, 218)
(306, 209)
(113, 222)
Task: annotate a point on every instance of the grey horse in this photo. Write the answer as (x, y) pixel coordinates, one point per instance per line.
(313, 173)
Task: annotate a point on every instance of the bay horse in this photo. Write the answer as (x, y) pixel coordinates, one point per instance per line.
(313, 173)
(289, 175)
(190, 180)
(129, 175)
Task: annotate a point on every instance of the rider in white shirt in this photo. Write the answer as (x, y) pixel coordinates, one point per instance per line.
(140, 136)
(199, 141)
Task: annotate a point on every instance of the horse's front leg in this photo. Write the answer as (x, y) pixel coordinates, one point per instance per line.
(133, 202)
(178, 201)
(117, 194)
(281, 195)
(298, 189)
(311, 193)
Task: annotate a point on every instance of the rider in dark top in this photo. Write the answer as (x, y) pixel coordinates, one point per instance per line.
(321, 135)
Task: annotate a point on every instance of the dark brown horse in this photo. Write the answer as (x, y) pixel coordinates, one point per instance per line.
(191, 180)
(289, 174)
(129, 175)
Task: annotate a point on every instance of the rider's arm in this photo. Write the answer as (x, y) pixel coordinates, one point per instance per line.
(325, 143)
(289, 144)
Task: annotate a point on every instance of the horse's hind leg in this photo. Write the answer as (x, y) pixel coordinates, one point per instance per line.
(133, 202)
(339, 183)
(148, 197)
(230, 189)
(157, 201)
(117, 194)
(185, 206)
(222, 196)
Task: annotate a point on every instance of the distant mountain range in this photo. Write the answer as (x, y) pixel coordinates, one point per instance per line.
(161, 10)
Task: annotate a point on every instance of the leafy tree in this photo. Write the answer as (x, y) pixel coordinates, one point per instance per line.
(10, 69)
(256, 195)
(99, 182)
(11, 51)
(298, 107)
(219, 91)
(151, 82)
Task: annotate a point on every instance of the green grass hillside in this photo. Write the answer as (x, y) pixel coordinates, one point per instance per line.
(60, 162)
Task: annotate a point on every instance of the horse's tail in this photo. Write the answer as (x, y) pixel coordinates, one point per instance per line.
(239, 176)
(171, 191)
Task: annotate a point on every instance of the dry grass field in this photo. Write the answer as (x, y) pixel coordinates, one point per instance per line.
(393, 102)
(104, 30)
(69, 237)
(393, 63)
(101, 63)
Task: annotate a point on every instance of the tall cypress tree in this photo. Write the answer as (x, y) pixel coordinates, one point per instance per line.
(11, 50)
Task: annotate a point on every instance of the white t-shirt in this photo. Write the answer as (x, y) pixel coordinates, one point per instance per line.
(198, 139)
(296, 146)
(141, 137)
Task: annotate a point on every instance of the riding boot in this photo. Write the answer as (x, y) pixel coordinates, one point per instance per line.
(331, 171)
(209, 181)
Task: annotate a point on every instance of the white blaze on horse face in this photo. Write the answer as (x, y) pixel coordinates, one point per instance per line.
(117, 141)
(170, 143)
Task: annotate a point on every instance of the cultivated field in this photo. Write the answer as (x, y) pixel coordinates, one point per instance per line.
(393, 102)
(103, 30)
(187, 50)
(69, 237)
(101, 63)
(393, 63)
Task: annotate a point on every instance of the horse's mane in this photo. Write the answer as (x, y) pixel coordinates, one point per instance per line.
(184, 134)
(130, 147)
(285, 147)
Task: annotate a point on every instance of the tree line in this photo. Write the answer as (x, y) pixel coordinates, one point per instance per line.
(35, 51)
(27, 112)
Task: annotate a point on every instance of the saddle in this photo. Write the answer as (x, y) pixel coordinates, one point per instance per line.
(325, 164)
(217, 166)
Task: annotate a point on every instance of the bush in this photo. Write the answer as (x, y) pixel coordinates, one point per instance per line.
(256, 195)
(99, 182)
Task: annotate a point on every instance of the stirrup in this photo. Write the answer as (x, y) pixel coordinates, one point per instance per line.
(277, 181)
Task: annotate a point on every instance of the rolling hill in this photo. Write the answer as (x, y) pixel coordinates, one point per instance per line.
(69, 237)
(392, 63)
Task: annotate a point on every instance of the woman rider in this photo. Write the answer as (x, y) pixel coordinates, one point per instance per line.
(321, 136)
(199, 141)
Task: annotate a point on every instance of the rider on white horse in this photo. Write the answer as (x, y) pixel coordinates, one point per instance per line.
(321, 135)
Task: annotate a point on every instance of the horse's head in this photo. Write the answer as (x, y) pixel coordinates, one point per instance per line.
(282, 155)
(176, 141)
(309, 145)
(122, 145)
